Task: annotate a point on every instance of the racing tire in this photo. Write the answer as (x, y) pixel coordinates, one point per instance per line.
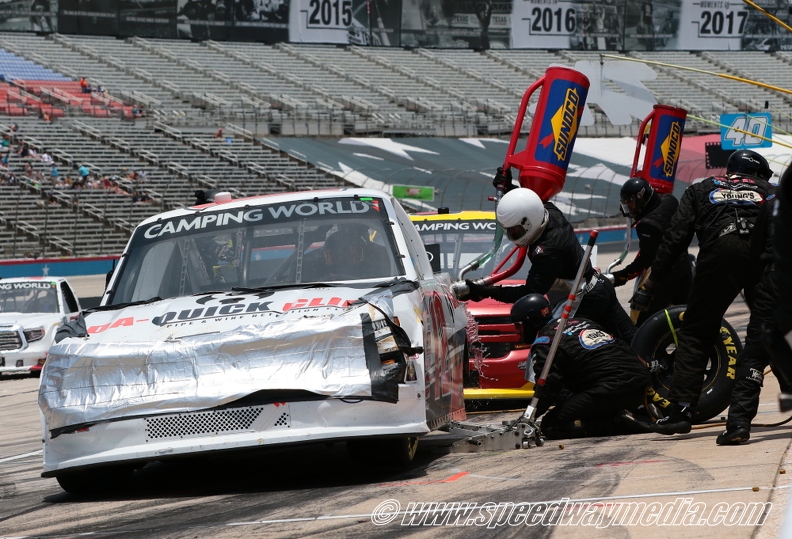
(391, 452)
(96, 481)
(655, 342)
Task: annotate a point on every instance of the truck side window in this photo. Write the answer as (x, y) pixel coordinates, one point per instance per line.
(71, 301)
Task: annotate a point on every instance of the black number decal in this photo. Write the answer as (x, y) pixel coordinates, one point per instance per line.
(537, 20)
(545, 21)
(707, 16)
(314, 18)
(327, 13)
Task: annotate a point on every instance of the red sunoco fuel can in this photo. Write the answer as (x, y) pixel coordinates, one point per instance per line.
(663, 147)
(544, 161)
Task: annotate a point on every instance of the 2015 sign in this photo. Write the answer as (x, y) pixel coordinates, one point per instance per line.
(330, 13)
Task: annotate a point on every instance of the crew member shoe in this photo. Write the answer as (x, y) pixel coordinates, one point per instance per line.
(733, 436)
(629, 423)
(677, 422)
(785, 402)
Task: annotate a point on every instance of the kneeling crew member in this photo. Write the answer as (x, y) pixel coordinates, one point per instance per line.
(595, 380)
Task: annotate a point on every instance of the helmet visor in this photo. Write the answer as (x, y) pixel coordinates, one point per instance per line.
(628, 207)
(516, 232)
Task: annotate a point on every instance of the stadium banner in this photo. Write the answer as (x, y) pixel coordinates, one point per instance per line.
(204, 19)
(266, 21)
(354, 22)
(478, 24)
(598, 25)
(147, 18)
(29, 16)
(95, 18)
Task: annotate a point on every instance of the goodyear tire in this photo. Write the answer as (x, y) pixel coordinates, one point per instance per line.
(388, 452)
(102, 481)
(655, 341)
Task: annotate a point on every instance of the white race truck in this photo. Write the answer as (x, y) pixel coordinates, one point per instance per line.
(31, 310)
(240, 324)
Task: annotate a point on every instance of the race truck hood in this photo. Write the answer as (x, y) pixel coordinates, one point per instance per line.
(199, 352)
(44, 320)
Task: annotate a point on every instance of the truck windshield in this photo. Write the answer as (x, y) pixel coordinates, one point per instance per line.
(312, 241)
(459, 242)
(28, 297)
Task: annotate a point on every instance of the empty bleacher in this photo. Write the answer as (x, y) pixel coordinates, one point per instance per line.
(188, 90)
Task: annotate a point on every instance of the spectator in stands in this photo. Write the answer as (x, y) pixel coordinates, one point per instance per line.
(84, 86)
(142, 177)
(4, 160)
(23, 150)
(45, 117)
(5, 143)
(219, 133)
(83, 171)
(46, 158)
(54, 173)
(14, 129)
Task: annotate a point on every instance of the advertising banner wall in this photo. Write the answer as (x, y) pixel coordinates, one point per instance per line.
(600, 25)
(28, 15)
(147, 18)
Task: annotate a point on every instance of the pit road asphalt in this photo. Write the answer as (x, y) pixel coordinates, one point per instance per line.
(320, 490)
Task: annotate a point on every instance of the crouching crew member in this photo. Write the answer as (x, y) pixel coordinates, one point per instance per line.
(595, 380)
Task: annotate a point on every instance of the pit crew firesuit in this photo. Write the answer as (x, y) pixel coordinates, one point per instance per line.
(655, 219)
(721, 211)
(557, 254)
(593, 379)
(753, 360)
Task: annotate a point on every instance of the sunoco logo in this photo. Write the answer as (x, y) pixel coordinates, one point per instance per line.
(671, 147)
(565, 123)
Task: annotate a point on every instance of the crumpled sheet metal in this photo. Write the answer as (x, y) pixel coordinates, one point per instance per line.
(86, 382)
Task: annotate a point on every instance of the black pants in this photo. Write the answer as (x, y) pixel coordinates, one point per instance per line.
(754, 359)
(782, 247)
(674, 290)
(591, 413)
(724, 268)
(601, 305)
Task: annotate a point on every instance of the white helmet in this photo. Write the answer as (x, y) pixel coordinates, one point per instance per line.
(522, 215)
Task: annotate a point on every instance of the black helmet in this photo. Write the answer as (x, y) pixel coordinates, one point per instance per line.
(343, 249)
(635, 195)
(533, 312)
(748, 163)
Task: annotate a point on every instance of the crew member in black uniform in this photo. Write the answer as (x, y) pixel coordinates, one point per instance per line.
(595, 381)
(762, 326)
(652, 213)
(778, 336)
(555, 253)
(721, 211)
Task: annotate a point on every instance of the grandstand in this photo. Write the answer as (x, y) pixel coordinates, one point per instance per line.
(164, 101)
